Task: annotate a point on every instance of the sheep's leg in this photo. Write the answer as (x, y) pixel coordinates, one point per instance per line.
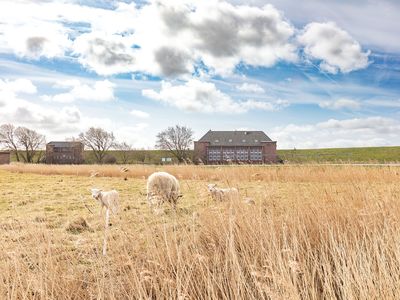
(106, 231)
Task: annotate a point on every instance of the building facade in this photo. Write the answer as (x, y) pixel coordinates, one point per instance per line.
(221, 147)
(64, 153)
(5, 157)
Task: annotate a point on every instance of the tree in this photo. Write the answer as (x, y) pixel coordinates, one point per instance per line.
(30, 141)
(176, 139)
(125, 150)
(99, 140)
(8, 138)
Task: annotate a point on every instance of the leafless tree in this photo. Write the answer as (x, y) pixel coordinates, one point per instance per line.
(30, 141)
(176, 139)
(8, 138)
(99, 140)
(125, 150)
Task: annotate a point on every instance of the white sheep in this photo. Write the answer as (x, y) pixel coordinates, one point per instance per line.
(162, 186)
(220, 194)
(109, 200)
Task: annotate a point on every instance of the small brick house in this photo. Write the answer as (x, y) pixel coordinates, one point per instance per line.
(219, 147)
(64, 153)
(5, 157)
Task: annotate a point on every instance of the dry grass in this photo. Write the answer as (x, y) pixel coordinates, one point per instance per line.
(320, 232)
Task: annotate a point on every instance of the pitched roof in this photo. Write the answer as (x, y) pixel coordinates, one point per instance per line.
(64, 144)
(235, 138)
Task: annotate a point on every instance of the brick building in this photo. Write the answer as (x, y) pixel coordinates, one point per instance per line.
(5, 157)
(64, 153)
(218, 147)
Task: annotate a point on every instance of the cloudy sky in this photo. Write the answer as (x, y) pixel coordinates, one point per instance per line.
(319, 74)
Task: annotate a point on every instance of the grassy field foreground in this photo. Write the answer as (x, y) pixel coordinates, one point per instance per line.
(316, 232)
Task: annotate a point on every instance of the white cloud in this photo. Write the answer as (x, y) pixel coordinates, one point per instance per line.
(357, 132)
(106, 55)
(24, 86)
(337, 50)
(139, 114)
(26, 113)
(100, 91)
(199, 96)
(162, 37)
(251, 88)
(341, 104)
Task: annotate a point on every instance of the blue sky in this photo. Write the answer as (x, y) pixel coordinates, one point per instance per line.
(323, 74)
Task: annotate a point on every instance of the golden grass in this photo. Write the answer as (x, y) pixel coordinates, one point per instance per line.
(316, 232)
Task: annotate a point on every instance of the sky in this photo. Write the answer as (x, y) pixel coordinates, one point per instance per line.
(317, 75)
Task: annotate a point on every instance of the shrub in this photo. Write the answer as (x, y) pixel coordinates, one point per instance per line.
(110, 159)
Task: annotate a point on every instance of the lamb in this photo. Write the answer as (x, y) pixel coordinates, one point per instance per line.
(162, 186)
(220, 194)
(109, 200)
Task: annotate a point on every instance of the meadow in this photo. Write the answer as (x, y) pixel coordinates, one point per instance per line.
(315, 232)
(297, 156)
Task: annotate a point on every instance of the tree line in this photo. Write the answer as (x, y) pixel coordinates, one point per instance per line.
(27, 144)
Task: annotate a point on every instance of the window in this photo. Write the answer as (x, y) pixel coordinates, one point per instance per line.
(256, 154)
(244, 141)
(228, 153)
(242, 154)
(256, 141)
(214, 154)
(217, 141)
(230, 140)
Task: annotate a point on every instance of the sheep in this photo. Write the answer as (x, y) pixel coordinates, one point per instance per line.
(222, 194)
(162, 186)
(109, 200)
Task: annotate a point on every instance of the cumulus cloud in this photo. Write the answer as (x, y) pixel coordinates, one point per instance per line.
(199, 96)
(250, 88)
(341, 104)
(100, 91)
(334, 47)
(172, 38)
(35, 39)
(357, 132)
(27, 113)
(139, 114)
(106, 55)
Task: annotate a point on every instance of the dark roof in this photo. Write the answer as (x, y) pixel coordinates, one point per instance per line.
(64, 144)
(235, 138)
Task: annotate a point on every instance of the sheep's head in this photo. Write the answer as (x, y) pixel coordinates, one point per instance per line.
(211, 186)
(96, 193)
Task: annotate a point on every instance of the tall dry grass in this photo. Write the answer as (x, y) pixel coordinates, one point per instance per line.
(314, 233)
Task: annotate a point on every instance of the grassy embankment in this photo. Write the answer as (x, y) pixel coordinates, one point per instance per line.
(334, 155)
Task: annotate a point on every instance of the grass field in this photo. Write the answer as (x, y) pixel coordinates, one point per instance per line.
(315, 232)
(334, 155)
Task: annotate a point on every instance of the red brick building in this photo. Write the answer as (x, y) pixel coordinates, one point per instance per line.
(219, 147)
(64, 153)
(5, 157)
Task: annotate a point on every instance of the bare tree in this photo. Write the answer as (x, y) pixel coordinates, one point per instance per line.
(99, 140)
(176, 139)
(30, 141)
(8, 138)
(125, 150)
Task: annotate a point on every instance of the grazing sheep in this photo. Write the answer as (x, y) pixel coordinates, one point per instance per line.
(220, 194)
(161, 187)
(109, 200)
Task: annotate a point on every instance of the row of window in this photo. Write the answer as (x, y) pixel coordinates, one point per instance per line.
(231, 154)
(64, 156)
